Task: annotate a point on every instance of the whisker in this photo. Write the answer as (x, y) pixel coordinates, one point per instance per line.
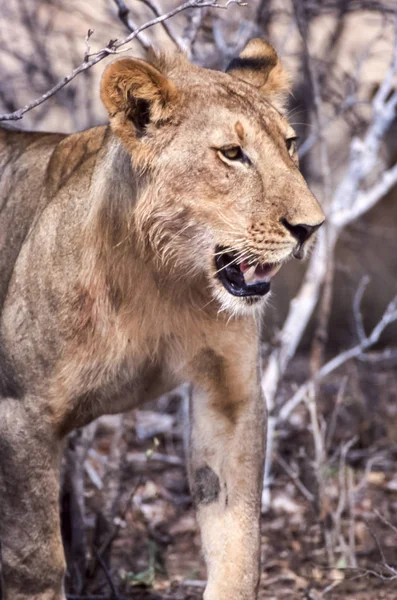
(239, 258)
(230, 233)
(303, 123)
(224, 267)
(293, 110)
(230, 249)
(208, 303)
(228, 222)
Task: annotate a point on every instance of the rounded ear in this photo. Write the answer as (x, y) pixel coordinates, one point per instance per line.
(135, 90)
(259, 65)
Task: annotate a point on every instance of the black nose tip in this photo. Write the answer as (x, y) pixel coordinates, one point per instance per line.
(301, 232)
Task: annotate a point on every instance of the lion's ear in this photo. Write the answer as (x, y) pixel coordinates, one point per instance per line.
(134, 89)
(259, 65)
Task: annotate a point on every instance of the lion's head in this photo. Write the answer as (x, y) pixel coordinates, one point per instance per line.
(220, 195)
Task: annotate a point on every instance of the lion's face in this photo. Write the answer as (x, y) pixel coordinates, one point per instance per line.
(222, 197)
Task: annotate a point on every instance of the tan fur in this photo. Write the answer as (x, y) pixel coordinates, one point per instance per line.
(259, 65)
(109, 296)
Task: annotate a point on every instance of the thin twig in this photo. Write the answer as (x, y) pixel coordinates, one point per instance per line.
(179, 43)
(358, 317)
(342, 485)
(349, 102)
(294, 478)
(388, 354)
(115, 594)
(385, 521)
(91, 597)
(167, 459)
(195, 583)
(191, 30)
(124, 16)
(361, 572)
(90, 32)
(352, 517)
(302, 22)
(332, 423)
(324, 311)
(113, 534)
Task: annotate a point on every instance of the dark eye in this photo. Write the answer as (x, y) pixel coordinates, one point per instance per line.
(233, 153)
(292, 145)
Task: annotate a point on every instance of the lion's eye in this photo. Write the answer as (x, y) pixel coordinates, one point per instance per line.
(291, 145)
(233, 153)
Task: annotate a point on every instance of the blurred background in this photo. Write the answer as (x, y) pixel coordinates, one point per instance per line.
(329, 335)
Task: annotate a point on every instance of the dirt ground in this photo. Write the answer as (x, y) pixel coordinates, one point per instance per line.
(154, 547)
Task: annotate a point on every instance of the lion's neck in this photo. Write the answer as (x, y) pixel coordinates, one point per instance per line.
(119, 263)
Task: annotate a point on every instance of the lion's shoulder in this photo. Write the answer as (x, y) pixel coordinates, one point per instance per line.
(33, 165)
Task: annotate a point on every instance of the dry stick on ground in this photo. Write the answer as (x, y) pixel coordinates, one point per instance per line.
(114, 47)
(347, 204)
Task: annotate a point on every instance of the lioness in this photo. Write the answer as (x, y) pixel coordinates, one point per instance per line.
(134, 256)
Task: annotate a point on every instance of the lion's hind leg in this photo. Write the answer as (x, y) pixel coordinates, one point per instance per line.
(31, 548)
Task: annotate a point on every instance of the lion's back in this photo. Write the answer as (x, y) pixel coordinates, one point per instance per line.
(24, 159)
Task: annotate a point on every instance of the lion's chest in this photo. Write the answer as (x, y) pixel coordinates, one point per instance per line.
(114, 371)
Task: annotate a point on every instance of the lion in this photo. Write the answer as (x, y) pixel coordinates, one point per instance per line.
(135, 256)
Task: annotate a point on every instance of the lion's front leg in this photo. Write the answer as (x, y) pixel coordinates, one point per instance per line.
(31, 548)
(226, 466)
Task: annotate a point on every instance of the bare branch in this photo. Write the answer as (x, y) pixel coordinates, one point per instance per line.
(386, 521)
(295, 478)
(347, 204)
(366, 200)
(349, 102)
(90, 32)
(388, 317)
(364, 152)
(301, 21)
(179, 43)
(124, 16)
(192, 29)
(332, 423)
(388, 354)
(114, 47)
(358, 317)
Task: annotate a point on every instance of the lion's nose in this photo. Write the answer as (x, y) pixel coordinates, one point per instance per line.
(302, 231)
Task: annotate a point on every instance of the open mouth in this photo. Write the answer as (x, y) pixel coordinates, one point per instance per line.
(243, 278)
